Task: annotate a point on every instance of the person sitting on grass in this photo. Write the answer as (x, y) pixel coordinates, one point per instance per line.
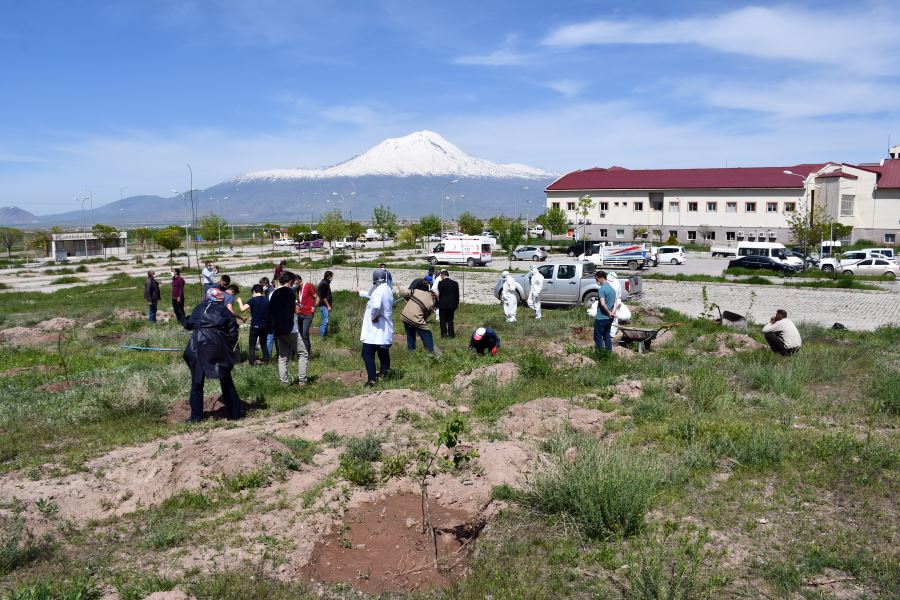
(485, 339)
(782, 334)
(209, 353)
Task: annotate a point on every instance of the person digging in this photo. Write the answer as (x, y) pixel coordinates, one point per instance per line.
(209, 353)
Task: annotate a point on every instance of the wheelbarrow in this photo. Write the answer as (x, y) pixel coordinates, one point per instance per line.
(642, 336)
(730, 319)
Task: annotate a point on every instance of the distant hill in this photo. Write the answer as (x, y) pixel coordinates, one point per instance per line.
(13, 215)
(410, 174)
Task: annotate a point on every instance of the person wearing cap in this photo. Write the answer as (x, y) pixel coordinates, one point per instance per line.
(419, 306)
(377, 332)
(485, 339)
(509, 295)
(151, 295)
(448, 302)
(214, 332)
(534, 291)
(606, 312)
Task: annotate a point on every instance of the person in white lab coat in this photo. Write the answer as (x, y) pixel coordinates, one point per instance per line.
(510, 295)
(534, 293)
(377, 333)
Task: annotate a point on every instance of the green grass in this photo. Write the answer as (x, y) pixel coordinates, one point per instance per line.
(843, 282)
(66, 279)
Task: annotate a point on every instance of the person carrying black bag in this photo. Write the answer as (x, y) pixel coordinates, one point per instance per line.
(209, 353)
(448, 302)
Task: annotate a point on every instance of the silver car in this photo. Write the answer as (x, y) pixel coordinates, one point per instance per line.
(534, 253)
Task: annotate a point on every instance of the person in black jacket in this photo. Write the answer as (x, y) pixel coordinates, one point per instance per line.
(209, 353)
(448, 302)
(283, 322)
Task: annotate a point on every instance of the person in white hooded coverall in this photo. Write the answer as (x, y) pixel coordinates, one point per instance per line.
(509, 295)
(534, 293)
(613, 280)
(377, 333)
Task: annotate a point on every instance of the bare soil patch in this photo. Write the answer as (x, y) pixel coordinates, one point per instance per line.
(16, 371)
(729, 343)
(544, 416)
(213, 408)
(56, 324)
(502, 372)
(382, 547)
(629, 389)
(27, 336)
(345, 377)
(562, 355)
(63, 386)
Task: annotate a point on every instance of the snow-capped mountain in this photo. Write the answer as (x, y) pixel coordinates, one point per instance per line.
(423, 154)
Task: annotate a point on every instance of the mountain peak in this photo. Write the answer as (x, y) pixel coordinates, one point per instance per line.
(422, 153)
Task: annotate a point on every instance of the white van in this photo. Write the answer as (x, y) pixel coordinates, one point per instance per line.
(770, 249)
(673, 255)
(468, 250)
(885, 252)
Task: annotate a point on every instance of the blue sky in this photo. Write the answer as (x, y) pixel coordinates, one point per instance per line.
(101, 95)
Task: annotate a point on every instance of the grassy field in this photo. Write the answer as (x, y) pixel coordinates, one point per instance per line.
(738, 474)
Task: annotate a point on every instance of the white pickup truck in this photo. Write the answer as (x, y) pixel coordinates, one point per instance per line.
(570, 284)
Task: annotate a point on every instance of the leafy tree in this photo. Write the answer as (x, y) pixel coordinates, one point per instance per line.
(704, 231)
(211, 227)
(169, 238)
(9, 237)
(106, 234)
(36, 242)
(299, 232)
(583, 209)
(469, 224)
(431, 225)
(839, 231)
(808, 227)
(332, 226)
(408, 235)
(639, 233)
(355, 229)
(554, 221)
(142, 234)
(270, 230)
(56, 229)
(509, 233)
(673, 240)
(658, 234)
(385, 223)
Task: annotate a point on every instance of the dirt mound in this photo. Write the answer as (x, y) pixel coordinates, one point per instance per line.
(623, 352)
(502, 372)
(26, 336)
(213, 408)
(15, 371)
(175, 594)
(562, 355)
(54, 325)
(727, 343)
(369, 412)
(629, 389)
(382, 547)
(646, 315)
(145, 475)
(127, 314)
(544, 416)
(63, 386)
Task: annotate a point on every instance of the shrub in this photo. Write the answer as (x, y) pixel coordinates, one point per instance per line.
(66, 279)
(535, 365)
(707, 389)
(366, 448)
(674, 569)
(80, 588)
(884, 389)
(302, 450)
(17, 545)
(604, 489)
(164, 532)
(360, 472)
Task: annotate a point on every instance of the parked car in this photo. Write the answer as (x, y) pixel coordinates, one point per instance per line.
(537, 231)
(830, 265)
(885, 252)
(881, 267)
(570, 284)
(284, 242)
(579, 247)
(674, 255)
(349, 242)
(763, 262)
(808, 259)
(633, 256)
(534, 253)
(307, 244)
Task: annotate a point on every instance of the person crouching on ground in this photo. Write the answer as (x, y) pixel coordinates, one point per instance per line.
(377, 333)
(606, 312)
(485, 339)
(782, 334)
(419, 306)
(209, 353)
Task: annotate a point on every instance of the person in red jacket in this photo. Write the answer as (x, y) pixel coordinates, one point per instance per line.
(178, 296)
(307, 299)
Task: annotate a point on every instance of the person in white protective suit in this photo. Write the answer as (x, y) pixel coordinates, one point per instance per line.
(509, 295)
(613, 280)
(534, 293)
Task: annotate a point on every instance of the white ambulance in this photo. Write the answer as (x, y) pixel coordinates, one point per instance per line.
(468, 250)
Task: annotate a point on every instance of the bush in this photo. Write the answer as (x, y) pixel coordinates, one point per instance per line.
(302, 450)
(17, 545)
(66, 279)
(884, 390)
(535, 365)
(81, 588)
(674, 569)
(605, 490)
(356, 461)
(366, 448)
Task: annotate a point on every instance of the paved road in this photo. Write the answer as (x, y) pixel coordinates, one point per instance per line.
(857, 309)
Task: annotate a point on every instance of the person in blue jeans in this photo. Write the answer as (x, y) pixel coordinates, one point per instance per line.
(325, 302)
(606, 312)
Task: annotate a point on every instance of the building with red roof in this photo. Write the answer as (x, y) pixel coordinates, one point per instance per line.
(728, 205)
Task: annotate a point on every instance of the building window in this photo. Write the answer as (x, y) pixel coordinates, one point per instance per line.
(624, 203)
(620, 233)
(729, 236)
(890, 238)
(692, 207)
(750, 207)
(569, 205)
(847, 205)
(603, 233)
(712, 206)
(673, 233)
(731, 207)
(604, 206)
(771, 207)
(710, 235)
(656, 205)
(673, 206)
(638, 206)
(692, 236)
(790, 207)
(555, 205)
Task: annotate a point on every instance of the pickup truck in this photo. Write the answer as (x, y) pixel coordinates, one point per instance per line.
(631, 256)
(723, 251)
(570, 284)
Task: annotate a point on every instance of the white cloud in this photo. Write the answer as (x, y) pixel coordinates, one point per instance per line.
(567, 87)
(505, 55)
(860, 39)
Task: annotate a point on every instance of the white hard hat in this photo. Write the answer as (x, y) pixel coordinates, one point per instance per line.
(504, 274)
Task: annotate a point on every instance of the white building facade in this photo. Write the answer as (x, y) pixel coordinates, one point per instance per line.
(722, 206)
(64, 245)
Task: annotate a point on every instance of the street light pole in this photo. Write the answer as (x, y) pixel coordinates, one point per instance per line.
(83, 224)
(443, 189)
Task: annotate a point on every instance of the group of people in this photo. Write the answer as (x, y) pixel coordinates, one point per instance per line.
(511, 290)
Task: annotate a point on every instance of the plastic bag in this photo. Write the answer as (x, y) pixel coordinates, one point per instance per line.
(624, 313)
(592, 309)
